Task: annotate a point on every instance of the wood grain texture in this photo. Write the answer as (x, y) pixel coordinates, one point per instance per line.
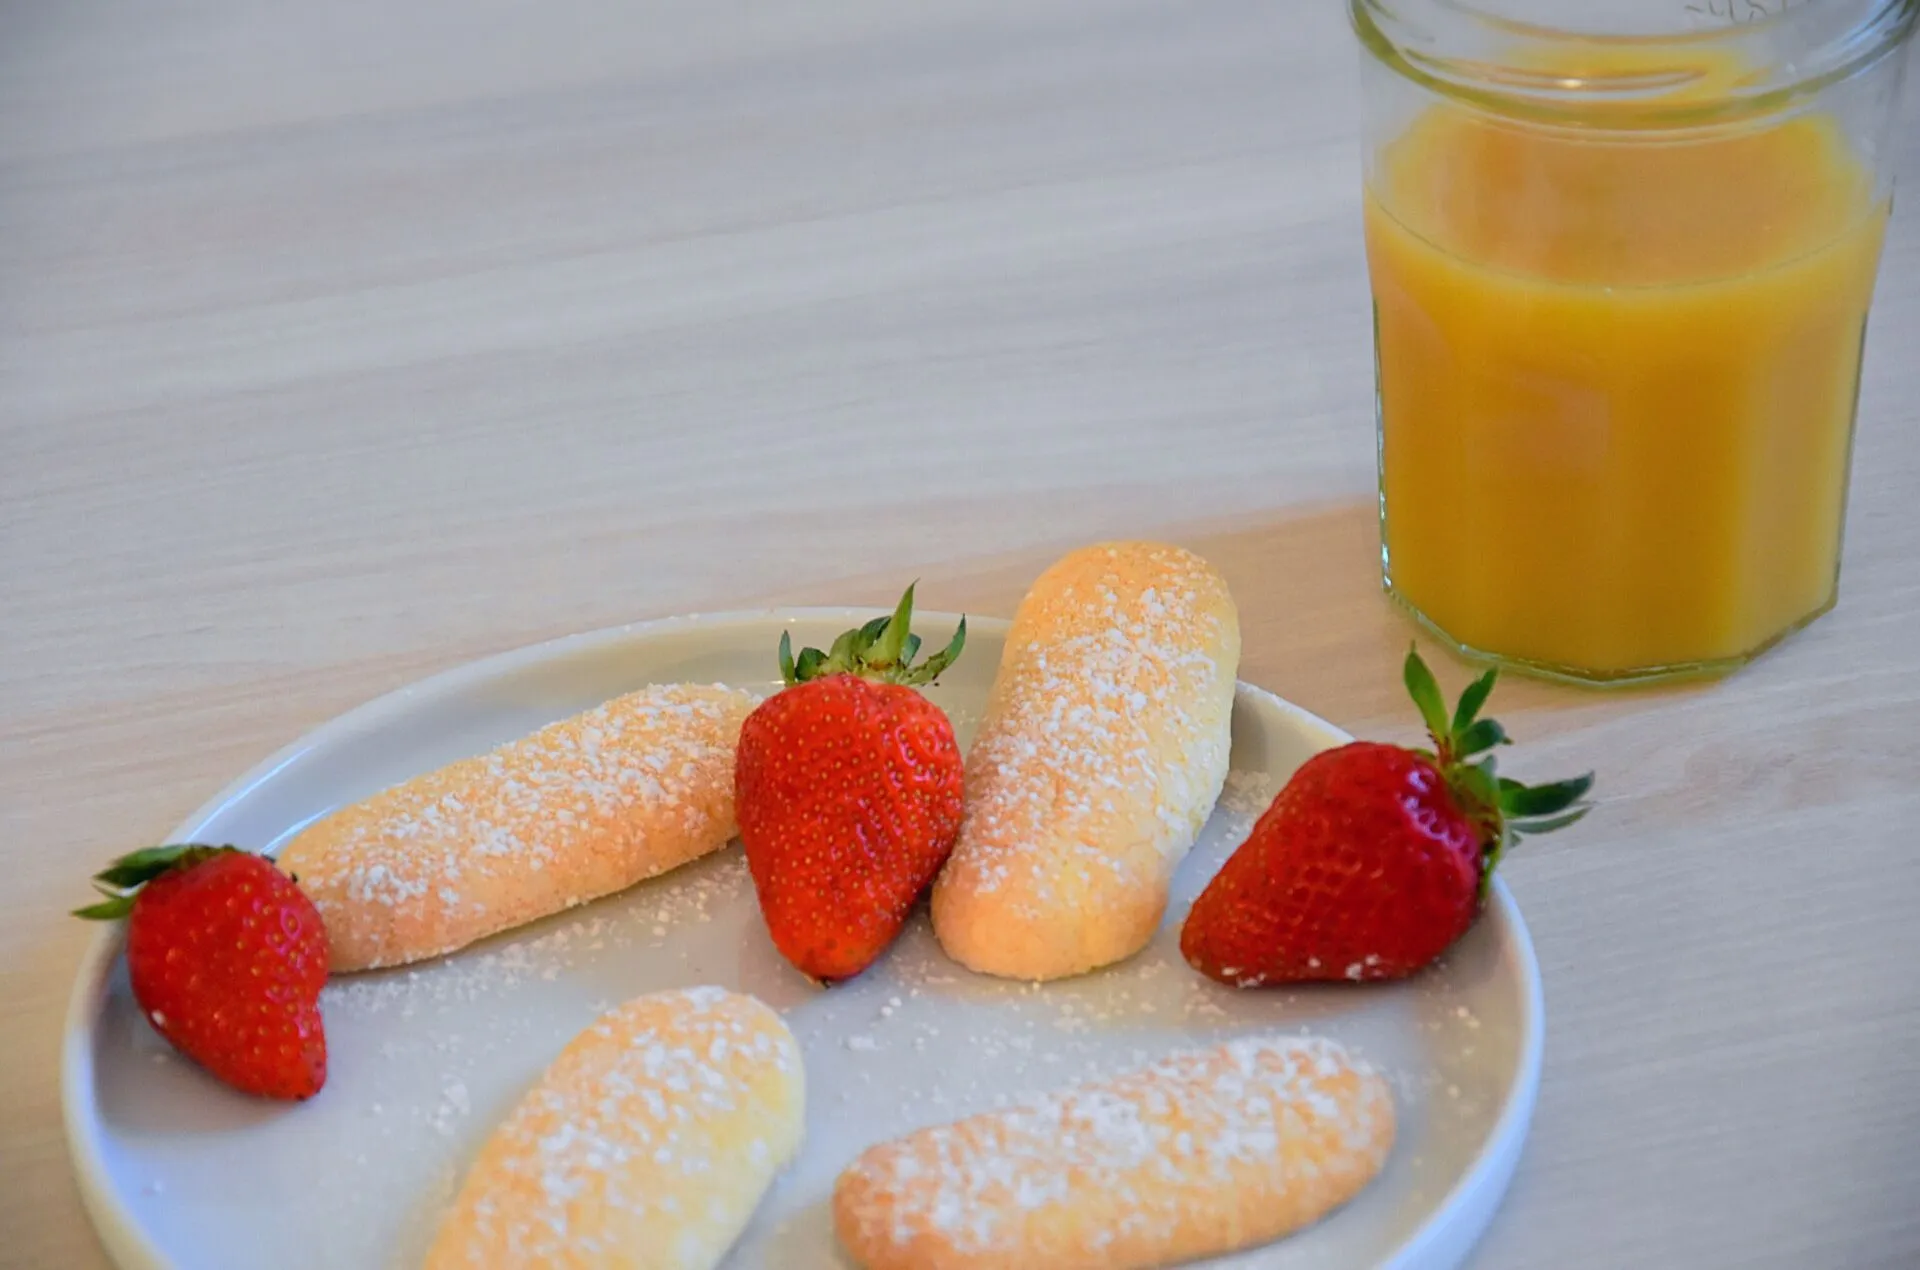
(340, 343)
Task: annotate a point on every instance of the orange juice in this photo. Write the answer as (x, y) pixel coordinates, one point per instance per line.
(1617, 377)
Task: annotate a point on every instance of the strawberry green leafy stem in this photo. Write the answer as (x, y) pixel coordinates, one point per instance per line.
(882, 650)
(1505, 810)
(125, 876)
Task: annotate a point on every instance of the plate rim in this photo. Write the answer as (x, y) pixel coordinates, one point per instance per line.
(1442, 1242)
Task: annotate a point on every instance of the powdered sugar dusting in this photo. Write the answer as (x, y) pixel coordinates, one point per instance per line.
(1139, 655)
(662, 1113)
(363, 1175)
(1154, 1149)
(582, 807)
(423, 1001)
(1246, 795)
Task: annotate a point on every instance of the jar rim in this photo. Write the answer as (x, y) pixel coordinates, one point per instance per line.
(1652, 80)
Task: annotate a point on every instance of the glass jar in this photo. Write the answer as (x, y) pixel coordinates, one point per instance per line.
(1621, 258)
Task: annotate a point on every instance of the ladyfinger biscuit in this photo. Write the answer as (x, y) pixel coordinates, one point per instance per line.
(1104, 746)
(646, 1145)
(582, 808)
(1202, 1153)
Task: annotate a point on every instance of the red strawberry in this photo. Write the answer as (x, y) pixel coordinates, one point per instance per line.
(847, 784)
(1374, 859)
(227, 958)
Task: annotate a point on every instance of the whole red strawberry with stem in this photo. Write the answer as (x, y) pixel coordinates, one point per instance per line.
(227, 957)
(848, 788)
(1373, 859)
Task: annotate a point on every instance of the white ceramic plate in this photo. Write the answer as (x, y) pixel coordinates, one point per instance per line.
(178, 1171)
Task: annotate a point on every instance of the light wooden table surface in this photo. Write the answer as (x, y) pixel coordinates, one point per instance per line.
(340, 343)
